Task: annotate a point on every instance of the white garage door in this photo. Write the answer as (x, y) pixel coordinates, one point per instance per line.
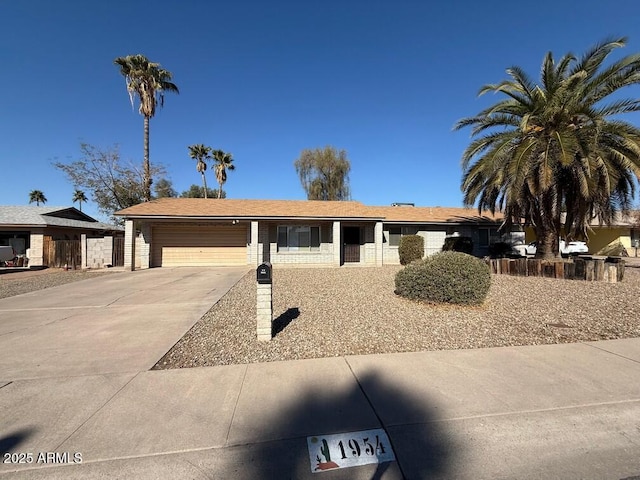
(201, 246)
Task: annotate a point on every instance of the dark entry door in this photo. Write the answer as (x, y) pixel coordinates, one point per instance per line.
(351, 240)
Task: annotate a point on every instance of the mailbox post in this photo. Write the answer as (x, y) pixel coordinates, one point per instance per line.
(264, 307)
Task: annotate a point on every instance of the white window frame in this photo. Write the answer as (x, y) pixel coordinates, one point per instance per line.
(292, 238)
(404, 231)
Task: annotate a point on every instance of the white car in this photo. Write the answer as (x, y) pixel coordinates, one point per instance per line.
(571, 248)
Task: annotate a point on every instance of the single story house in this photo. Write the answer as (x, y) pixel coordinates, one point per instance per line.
(37, 233)
(219, 232)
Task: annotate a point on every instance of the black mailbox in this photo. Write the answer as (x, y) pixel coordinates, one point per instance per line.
(263, 273)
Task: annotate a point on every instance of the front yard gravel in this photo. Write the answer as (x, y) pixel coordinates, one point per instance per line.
(17, 283)
(349, 311)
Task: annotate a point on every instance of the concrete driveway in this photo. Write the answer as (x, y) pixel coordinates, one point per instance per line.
(120, 323)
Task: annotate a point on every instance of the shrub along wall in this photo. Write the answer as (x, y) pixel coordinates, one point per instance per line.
(411, 248)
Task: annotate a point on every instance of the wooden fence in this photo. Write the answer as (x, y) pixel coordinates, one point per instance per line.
(593, 270)
(117, 259)
(60, 253)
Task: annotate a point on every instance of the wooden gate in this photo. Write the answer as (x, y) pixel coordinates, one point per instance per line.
(58, 253)
(117, 257)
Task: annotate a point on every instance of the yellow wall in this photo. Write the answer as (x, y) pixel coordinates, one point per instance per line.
(602, 237)
(529, 235)
(599, 238)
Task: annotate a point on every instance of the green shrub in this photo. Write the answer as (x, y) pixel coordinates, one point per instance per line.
(411, 248)
(446, 277)
(458, 244)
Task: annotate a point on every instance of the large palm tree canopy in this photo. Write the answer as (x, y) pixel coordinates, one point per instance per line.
(558, 148)
(146, 80)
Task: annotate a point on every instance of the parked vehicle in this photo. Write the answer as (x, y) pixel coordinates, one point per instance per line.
(7, 254)
(571, 248)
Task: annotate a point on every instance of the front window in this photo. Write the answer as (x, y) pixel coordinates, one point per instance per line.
(394, 236)
(395, 233)
(295, 238)
(487, 236)
(483, 237)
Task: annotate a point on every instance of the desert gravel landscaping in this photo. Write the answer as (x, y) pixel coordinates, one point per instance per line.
(348, 311)
(19, 282)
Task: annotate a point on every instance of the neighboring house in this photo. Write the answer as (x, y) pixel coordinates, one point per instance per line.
(207, 232)
(604, 239)
(54, 236)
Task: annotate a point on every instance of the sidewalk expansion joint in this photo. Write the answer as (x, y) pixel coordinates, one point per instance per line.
(608, 351)
(375, 412)
(97, 411)
(235, 405)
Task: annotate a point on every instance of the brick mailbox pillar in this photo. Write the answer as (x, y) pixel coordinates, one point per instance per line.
(264, 304)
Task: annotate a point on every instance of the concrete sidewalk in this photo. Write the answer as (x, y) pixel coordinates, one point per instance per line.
(556, 411)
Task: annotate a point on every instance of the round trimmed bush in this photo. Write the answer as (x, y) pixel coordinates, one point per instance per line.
(445, 277)
(411, 248)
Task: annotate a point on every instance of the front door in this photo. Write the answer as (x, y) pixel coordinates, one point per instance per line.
(351, 244)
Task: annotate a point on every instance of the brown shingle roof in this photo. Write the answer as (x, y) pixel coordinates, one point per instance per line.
(434, 215)
(233, 208)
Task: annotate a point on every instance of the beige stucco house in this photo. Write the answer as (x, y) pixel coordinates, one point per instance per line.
(212, 232)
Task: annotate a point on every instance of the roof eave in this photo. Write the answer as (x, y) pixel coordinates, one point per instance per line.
(247, 218)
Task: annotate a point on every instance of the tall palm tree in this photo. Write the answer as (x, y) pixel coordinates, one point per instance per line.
(79, 196)
(37, 196)
(201, 153)
(551, 154)
(147, 81)
(223, 162)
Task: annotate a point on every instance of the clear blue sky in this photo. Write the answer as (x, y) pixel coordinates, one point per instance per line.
(384, 80)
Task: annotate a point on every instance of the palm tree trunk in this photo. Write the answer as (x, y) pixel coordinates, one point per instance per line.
(146, 167)
(220, 190)
(548, 247)
(204, 184)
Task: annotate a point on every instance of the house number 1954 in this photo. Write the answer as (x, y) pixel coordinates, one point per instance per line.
(328, 452)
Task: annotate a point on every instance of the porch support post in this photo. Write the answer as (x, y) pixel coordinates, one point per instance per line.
(378, 239)
(36, 250)
(129, 245)
(107, 249)
(83, 249)
(145, 246)
(253, 243)
(337, 243)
